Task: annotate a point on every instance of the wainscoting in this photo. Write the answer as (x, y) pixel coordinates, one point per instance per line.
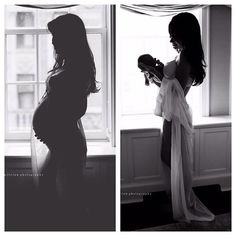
(141, 168)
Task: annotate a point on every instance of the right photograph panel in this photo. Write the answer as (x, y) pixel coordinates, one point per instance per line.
(175, 127)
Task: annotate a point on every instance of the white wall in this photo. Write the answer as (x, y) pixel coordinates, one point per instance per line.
(220, 55)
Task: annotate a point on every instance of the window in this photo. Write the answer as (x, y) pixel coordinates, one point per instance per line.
(29, 57)
(24, 19)
(24, 41)
(25, 93)
(141, 34)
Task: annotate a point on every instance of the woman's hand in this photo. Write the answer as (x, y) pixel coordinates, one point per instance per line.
(148, 76)
(153, 74)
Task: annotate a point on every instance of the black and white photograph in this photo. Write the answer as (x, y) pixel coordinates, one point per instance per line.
(59, 117)
(117, 116)
(175, 131)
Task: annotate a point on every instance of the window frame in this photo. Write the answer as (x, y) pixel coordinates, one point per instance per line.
(205, 89)
(204, 21)
(107, 44)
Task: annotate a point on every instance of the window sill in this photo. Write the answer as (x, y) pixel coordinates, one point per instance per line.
(144, 122)
(22, 149)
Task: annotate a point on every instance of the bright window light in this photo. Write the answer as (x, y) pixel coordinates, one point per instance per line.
(29, 57)
(141, 34)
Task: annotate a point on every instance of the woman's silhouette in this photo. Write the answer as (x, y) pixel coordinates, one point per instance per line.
(175, 80)
(56, 121)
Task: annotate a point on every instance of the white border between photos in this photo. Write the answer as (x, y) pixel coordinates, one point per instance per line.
(117, 2)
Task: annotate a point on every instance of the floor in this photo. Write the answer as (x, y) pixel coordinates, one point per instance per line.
(27, 210)
(221, 223)
(155, 212)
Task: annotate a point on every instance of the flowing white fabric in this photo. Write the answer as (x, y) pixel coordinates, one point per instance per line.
(172, 106)
(39, 157)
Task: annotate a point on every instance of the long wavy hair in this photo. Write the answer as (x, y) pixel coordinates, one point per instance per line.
(184, 28)
(72, 51)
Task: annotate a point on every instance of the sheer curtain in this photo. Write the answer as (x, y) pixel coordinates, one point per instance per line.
(39, 157)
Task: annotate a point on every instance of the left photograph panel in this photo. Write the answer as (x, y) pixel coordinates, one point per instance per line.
(59, 117)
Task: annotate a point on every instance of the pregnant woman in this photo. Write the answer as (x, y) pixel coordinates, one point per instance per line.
(175, 80)
(56, 121)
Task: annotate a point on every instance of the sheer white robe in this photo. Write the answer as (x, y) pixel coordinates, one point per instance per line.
(39, 157)
(172, 106)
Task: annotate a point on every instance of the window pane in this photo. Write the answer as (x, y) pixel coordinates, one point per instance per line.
(136, 98)
(24, 19)
(20, 17)
(24, 41)
(42, 89)
(20, 61)
(95, 43)
(92, 120)
(25, 77)
(94, 115)
(46, 56)
(194, 99)
(26, 63)
(44, 16)
(20, 107)
(92, 15)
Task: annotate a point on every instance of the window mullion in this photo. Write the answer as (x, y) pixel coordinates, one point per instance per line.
(14, 31)
(105, 73)
(37, 68)
(21, 82)
(111, 68)
(6, 93)
(205, 89)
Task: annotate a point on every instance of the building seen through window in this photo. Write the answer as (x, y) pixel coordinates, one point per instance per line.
(30, 56)
(24, 19)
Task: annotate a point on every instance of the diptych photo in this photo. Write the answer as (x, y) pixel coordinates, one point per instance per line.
(117, 117)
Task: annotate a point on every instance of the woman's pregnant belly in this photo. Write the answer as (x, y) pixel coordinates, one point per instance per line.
(41, 121)
(57, 130)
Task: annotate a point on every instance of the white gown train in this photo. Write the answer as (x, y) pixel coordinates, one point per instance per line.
(172, 106)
